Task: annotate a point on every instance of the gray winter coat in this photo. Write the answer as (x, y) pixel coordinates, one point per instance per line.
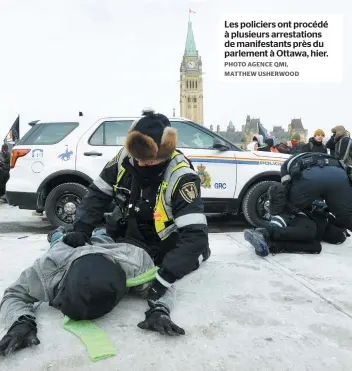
(41, 281)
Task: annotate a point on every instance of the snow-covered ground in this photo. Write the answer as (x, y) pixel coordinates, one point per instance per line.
(239, 311)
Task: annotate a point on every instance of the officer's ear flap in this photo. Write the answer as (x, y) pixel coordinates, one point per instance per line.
(168, 143)
(141, 146)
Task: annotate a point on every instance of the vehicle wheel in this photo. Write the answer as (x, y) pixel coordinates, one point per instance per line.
(61, 203)
(255, 204)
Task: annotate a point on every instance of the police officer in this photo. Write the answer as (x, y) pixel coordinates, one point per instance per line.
(159, 204)
(294, 231)
(319, 176)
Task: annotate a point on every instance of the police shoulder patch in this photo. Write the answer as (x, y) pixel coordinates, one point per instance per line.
(189, 192)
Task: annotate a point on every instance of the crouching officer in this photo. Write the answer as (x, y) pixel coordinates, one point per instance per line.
(294, 231)
(319, 176)
(159, 204)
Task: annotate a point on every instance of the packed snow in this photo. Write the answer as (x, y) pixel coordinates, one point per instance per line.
(239, 311)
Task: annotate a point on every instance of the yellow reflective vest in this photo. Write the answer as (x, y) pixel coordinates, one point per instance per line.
(163, 217)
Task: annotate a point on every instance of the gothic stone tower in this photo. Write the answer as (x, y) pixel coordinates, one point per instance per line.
(191, 83)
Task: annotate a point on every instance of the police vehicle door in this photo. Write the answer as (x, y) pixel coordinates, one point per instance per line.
(216, 169)
(100, 144)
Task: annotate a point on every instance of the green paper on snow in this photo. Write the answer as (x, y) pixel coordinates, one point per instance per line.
(96, 341)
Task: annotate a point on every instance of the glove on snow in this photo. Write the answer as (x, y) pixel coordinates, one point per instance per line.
(158, 319)
(22, 334)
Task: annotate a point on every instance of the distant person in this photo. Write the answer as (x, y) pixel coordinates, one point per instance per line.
(343, 145)
(4, 171)
(296, 144)
(283, 148)
(269, 146)
(315, 143)
(330, 144)
(256, 143)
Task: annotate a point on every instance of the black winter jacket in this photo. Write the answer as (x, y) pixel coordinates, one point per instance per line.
(181, 251)
(314, 146)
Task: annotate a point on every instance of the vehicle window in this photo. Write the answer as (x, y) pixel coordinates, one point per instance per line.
(45, 134)
(111, 133)
(189, 136)
(97, 139)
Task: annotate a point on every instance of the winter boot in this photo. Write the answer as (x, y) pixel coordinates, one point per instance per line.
(260, 239)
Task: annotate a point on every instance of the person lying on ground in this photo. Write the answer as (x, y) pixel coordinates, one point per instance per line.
(84, 283)
(294, 231)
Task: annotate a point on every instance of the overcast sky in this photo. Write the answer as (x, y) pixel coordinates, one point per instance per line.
(113, 57)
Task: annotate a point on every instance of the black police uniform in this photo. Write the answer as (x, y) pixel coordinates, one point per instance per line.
(305, 232)
(319, 176)
(297, 231)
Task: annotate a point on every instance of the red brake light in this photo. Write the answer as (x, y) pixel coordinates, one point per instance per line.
(16, 154)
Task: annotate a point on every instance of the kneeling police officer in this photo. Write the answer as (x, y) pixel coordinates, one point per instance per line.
(159, 205)
(318, 176)
(293, 231)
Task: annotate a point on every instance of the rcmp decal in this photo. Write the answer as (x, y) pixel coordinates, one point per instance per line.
(204, 176)
(189, 192)
(66, 155)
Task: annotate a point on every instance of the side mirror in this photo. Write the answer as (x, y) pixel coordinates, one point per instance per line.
(220, 145)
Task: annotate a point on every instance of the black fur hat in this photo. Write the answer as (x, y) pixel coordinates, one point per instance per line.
(151, 137)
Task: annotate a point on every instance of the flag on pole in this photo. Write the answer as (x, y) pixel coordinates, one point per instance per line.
(262, 131)
(14, 134)
(190, 11)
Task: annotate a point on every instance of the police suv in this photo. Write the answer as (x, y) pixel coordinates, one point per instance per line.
(54, 163)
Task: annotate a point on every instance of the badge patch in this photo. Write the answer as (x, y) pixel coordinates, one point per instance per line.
(204, 176)
(189, 192)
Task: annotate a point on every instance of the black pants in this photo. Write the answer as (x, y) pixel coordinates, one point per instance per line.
(329, 183)
(300, 236)
(4, 177)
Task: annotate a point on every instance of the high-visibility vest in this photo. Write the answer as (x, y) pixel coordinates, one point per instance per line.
(163, 218)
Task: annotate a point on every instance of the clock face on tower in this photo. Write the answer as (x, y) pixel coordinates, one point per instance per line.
(191, 64)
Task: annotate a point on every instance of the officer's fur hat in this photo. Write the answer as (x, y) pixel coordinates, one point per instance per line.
(151, 137)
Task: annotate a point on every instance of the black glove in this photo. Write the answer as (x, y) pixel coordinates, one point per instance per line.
(76, 239)
(156, 291)
(158, 319)
(22, 334)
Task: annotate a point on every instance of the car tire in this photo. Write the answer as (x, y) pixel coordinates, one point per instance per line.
(251, 203)
(63, 200)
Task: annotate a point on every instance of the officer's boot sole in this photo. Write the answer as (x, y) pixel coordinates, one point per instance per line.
(257, 240)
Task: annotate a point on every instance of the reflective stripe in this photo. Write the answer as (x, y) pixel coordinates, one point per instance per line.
(189, 219)
(174, 179)
(286, 178)
(103, 186)
(280, 219)
(162, 281)
(167, 231)
(274, 222)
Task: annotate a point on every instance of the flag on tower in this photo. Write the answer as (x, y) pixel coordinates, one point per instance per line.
(190, 11)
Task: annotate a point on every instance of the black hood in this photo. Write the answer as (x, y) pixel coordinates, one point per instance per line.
(92, 288)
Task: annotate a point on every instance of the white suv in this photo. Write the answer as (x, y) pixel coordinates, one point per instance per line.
(54, 163)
